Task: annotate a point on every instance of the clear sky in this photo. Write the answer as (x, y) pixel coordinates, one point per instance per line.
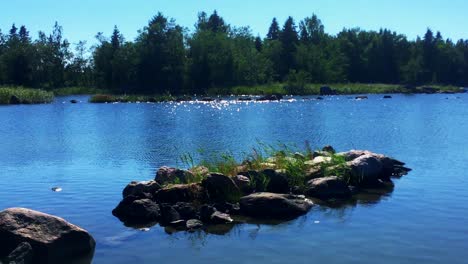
(82, 19)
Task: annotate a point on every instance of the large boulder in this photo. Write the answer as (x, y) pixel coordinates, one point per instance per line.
(328, 187)
(273, 205)
(132, 210)
(189, 193)
(166, 175)
(220, 187)
(169, 215)
(244, 184)
(391, 166)
(366, 169)
(141, 189)
(52, 239)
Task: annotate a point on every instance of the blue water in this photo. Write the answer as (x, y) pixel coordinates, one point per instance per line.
(93, 150)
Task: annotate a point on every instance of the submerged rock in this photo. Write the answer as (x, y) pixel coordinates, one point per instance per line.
(273, 205)
(387, 97)
(73, 101)
(52, 239)
(328, 187)
(361, 97)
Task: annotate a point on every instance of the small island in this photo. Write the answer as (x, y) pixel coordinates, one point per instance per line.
(282, 186)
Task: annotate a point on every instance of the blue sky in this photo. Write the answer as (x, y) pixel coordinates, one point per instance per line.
(82, 19)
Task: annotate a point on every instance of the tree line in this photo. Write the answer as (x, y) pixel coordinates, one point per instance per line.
(168, 58)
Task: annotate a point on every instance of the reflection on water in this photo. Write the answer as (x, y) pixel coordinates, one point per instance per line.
(93, 151)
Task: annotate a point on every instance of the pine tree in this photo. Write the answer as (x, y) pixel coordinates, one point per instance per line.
(274, 30)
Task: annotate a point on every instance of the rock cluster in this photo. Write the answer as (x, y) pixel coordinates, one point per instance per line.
(268, 193)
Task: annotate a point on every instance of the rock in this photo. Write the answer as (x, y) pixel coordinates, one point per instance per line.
(366, 168)
(167, 175)
(133, 210)
(319, 98)
(429, 90)
(387, 97)
(277, 182)
(73, 101)
(244, 99)
(178, 224)
(329, 149)
(183, 99)
(271, 97)
(313, 173)
(299, 156)
(14, 100)
(23, 254)
(141, 189)
(168, 215)
(186, 210)
(220, 218)
(207, 99)
(258, 181)
(229, 208)
(181, 193)
(361, 97)
(52, 239)
(205, 213)
(193, 224)
(318, 160)
(328, 187)
(243, 182)
(326, 90)
(272, 205)
(222, 188)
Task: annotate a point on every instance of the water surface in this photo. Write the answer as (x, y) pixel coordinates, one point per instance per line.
(93, 150)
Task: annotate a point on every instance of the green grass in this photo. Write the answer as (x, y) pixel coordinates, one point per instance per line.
(25, 96)
(341, 88)
(285, 157)
(77, 91)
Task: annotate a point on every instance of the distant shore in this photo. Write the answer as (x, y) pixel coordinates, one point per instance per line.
(20, 95)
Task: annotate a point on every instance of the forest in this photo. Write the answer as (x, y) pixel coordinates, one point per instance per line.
(166, 58)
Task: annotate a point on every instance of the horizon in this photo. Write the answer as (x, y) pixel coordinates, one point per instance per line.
(411, 21)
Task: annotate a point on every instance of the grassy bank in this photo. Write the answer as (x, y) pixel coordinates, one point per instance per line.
(19, 95)
(108, 98)
(340, 88)
(77, 91)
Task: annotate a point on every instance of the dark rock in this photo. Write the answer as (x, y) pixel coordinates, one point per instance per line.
(361, 97)
(178, 224)
(272, 205)
(73, 101)
(193, 224)
(229, 208)
(327, 188)
(258, 181)
(429, 90)
(200, 171)
(368, 168)
(271, 97)
(186, 210)
(220, 218)
(205, 213)
(326, 90)
(168, 215)
(14, 100)
(329, 149)
(220, 187)
(277, 182)
(244, 99)
(23, 254)
(52, 239)
(319, 98)
(387, 97)
(243, 182)
(166, 175)
(133, 210)
(183, 99)
(181, 193)
(207, 99)
(141, 189)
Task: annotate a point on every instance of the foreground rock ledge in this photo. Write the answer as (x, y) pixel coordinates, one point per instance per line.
(29, 236)
(197, 198)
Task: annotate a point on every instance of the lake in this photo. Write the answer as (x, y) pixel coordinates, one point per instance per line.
(92, 151)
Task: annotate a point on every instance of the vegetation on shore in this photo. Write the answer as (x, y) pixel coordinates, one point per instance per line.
(19, 95)
(78, 90)
(218, 58)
